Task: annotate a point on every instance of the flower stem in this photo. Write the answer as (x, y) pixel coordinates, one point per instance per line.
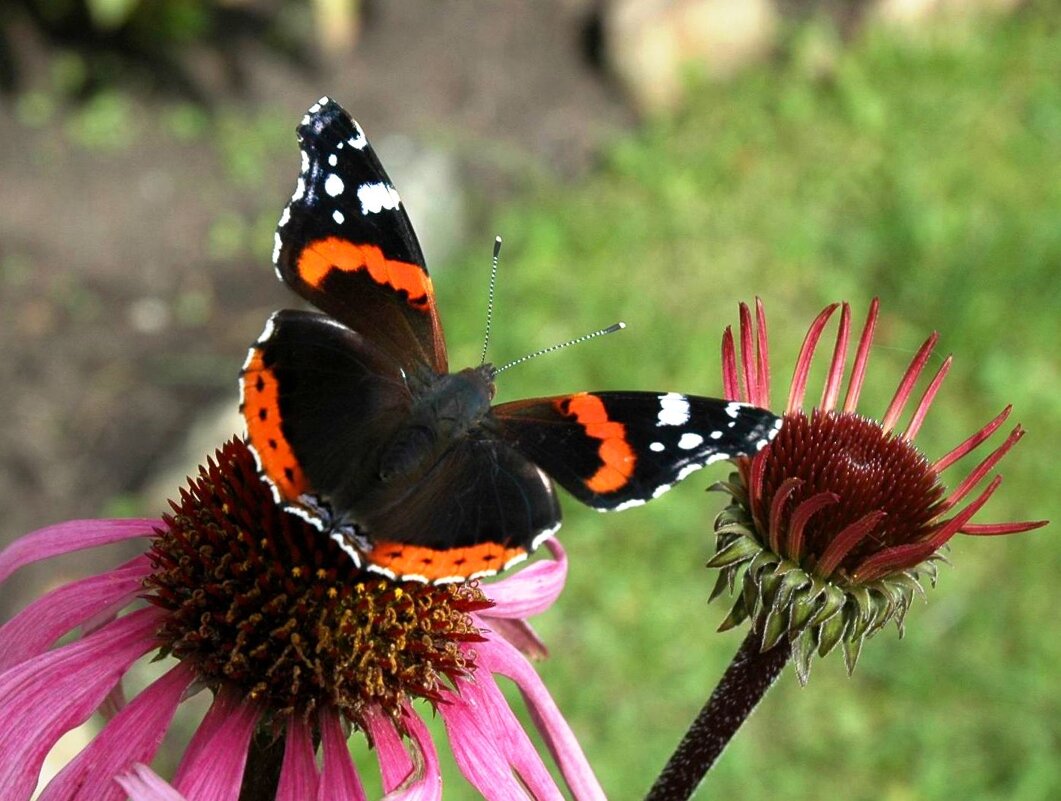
(745, 682)
(261, 776)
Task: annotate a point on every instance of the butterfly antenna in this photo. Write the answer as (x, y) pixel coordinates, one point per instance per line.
(490, 297)
(611, 329)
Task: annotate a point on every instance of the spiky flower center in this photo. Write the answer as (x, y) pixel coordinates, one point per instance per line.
(263, 601)
(851, 472)
(831, 491)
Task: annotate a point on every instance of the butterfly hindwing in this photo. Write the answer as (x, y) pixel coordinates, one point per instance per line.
(614, 450)
(346, 245)
(482, 507)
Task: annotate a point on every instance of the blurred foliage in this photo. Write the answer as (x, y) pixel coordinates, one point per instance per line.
(921, 167)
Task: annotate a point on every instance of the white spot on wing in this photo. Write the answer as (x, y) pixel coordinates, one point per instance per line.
(338, 217)
(300, 190)
(656, 447)
(376, 197)
(285, 216)
(689, 441)
(716, 434)
(358, 140)
(276, 247)
(673, 410)
(628, 505)
(333, 159)
(334, 186)
(733, 408)
(305, 162)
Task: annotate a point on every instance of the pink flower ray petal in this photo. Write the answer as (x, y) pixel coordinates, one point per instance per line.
(747, 353)
(970, 444)
(906, 385)
(926, 400)
(531, 590)
(428, 786)
(299, 778)
(475, 750)
(44, 697)
(798, 388)
(762, 357)
(977, 474)
(847, 539)
(730, 384)
(395, 764)
(143, 784)
(339, 779)
(515, 744)
(858, 370)
(835, 377)
(73, 535)
(212, 767)
(996, 529)
(132, 736)
(518, 632)
(39, 625)
(501, 658)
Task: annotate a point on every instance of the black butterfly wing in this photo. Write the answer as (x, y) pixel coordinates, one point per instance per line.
(614, 450)
(320, 402)
(346, 245)
(481, 508)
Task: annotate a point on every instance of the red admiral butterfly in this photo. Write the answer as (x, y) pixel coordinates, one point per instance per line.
(359, 426)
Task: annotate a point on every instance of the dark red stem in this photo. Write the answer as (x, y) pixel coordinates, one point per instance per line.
(745, 682)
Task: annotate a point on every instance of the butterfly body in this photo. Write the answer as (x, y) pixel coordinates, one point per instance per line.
(360, 427)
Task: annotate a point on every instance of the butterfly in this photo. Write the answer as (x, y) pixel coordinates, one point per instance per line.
(359, 426)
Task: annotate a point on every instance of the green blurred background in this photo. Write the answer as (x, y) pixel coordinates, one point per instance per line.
(921, 166)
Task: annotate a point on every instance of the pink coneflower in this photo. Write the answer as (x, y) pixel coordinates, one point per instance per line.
(830, 527)
(297, 647)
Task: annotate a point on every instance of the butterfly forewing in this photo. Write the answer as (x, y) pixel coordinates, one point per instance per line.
(345, 243)
(613, 450)
(320, 401)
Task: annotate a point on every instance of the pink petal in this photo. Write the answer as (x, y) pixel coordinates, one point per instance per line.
(973, 442)
(747, 354)
(74, 535)
(40, 624)
(906, 385)
(339, 780)
(428, 785)
(212, 767)
(858, 370)
(477, 753)
(531, 590)
(926, 400)
(133, 736)
(730, 385)
(498, 657)
(44, 697)
(762, 357)
(518, 632)
(394, 762)
(798, 387)
(298, 774)
(836, 366)
(509, 736)
(143, 784)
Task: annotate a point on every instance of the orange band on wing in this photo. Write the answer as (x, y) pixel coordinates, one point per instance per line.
(412, 561)
(616, 455)
(319, 258)
(261, 410)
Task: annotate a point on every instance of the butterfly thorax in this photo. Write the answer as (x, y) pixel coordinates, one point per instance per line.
(446, 410)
